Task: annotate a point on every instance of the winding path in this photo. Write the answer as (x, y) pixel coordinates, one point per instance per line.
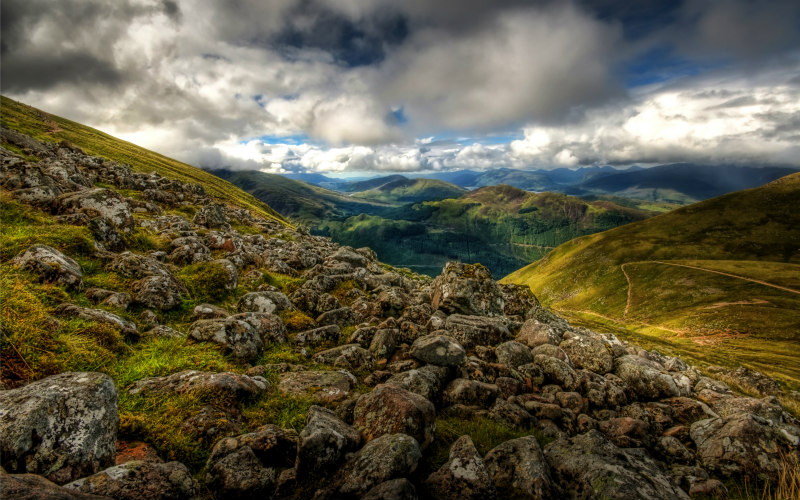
(628, 279)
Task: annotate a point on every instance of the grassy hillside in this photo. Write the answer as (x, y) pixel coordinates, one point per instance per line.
(405, 190)
(51, 128)
(722, 273)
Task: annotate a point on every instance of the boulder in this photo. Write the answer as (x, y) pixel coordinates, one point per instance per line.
(439, 350)
(209, 311)
(227, 384)
(388, 457)
(626, 432)
(426, 381)
(590, 353)
(211, 216)
(384, 343)
(534, 333)
(158, 292)
(467, 289)
(390, 410)
(590, 466)
(513, 354)
(348, 356)
(243, 335)
(396, 489)
(471, 331)
(317, 336)
(519, 470)
(51, 265)
(33, 487)
(97, 201)
(324, 441)
(349, 256)
(106, 233)
(558, 372)
(645, 377)
(320, 386)
(137, 480)
(343, 317)
(463, 477)
(62, 427)
(265, 302)
(470, 392)
(100, 316)
(519, 300)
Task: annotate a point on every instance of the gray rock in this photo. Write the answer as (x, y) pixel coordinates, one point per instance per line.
(513, 354)
(51, 265)
(349, 256)
(439, 350)
(590, 353)
(320, 386)
(274, 447)
(240, 474)
(97, 201)
(519, 470)
(189, 381)
(98, 315)
(534, 333)
(211, 216)
(266, 302)
(590, 466)
(243, 335)
(385, 458)
(165, 332)
(343, 317)
(426, 381)
(470, 392)
(137, 480)
(390, 410)
(317, 336)
(62, 427)
(324, 441)
(471, 331)
(558, 372)
(463, 477)
(645, 377)
(106, 233)
(158, 292)
(384, 343)
(396, 489)
(467, 289)
(349, 356)
(33, 487)
(209, 311)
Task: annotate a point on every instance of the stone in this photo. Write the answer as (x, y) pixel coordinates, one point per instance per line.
(51, 265)
(534, 333)
(391, 456)
(463, 477)
(426, 381)
(439, 350)
(589, 353)
(349, 256)
(100, 316)
(226, 384)
(513, 354)
(348, 356)
(467, 289)
(209, 311)
(590, 466)
(97, 201)
(240, 474)
(395, 489)
(273, 447)
(33, 487)
(324, 441)
(211, 216)
(260, 302)
(558, 372)
(626, 432)
(243, 335)
(138, 480)
(470, 392)
(342, 317)
(645, 377)
(164, 332)
(391, 410)
(317, 336)
(518, 469)
(106, 233)
(471, 331)
(510, 414)
(62, 427)
(384, 343)
(159, 292)
(319, 386)
(519, 300)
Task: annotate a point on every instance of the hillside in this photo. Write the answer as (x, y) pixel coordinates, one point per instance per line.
(404, 190)
(51, 128)
(724, 272)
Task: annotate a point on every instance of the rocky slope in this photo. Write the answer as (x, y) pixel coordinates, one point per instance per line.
(387, 362)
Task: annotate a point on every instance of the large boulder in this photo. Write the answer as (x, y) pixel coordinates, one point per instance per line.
(388, 457)
(51, 265)
(472, 331)
(645, 377)
(534, 333)
(590, 466)
(139, 480)
(467, 289)
(97, 201)
(243, 335)
(390, 410)
(519, 470)
(321, 386)
(439, 350)
(513, 354)
(590, 353)
(226, 384)
(158, 292)
(463, 477)
(324, 441)
(426, 381)
(470, 392)
(348, 356)
(62, 427)
(33, 487)
(557, 371)
(212, 216)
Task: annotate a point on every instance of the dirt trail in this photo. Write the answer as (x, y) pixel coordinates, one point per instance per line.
(630, 287)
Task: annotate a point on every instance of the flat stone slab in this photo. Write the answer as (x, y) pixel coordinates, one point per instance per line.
(321, 386)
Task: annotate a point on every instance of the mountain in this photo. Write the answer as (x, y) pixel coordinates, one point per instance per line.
(724, 272)
(404, 190)
(463, 178)
(522, 179)
(365, 185)
(682, 182)
(311, 178)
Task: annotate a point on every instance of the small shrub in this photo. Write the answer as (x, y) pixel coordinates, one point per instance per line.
(296, 321)
(287, 412)
(206, 281)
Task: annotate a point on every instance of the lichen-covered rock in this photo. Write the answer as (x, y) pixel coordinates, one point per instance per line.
(343, 317)
(62, 427)
(534, 333)
(519, 470)
(590, 353)
(348, 356)
(324, 441)
(390, 410)
(137, 480)
(513, 354)
(396, 489)
(97, 201)
(384, 343)
(519, 300)
(243, 335)
(463, 477)
(188, 381)
(100, 316)
(349, 256)
(320, 386)
(439, 350)
(558, 372)
(33, 487)
(388, 457)
(470, 392)
(467, 289)
(471, 331)
(264, 302)
(317, 336)
(426, 381)
(209, 311)
(106, 233)
(211, 216)
(51, 265)
(741, 444)
(590, 466)
(626, 432)
(645, 377)
(158, 292)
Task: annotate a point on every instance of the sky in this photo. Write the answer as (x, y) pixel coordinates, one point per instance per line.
(349, 87)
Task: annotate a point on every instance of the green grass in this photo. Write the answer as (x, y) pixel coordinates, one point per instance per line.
(50, 128)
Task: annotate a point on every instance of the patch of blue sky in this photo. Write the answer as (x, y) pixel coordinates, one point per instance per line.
(293, 140)
(662, 64)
